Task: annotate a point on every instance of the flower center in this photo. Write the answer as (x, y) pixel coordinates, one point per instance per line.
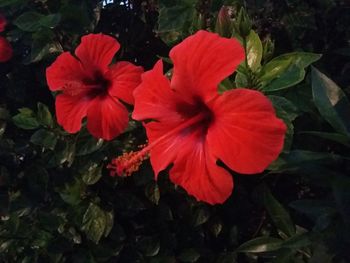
(128, 163)
(98, 83)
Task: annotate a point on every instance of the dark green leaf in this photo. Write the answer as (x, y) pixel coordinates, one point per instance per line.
(331, 102)
(29, 21)
(297, 158)
(278, 214)
(71, 193)
(94, 223)
(341, 192)
(261, 244)
(152, 192)
(149, 246)
(50, 21)
(314, 208)
(173, 17)
(64, 153)
(87, 144)
(336, 137)
(44, 138)
(298, 241)
(4, 3)
(189, 255)
(109, 223)
(284, 104)
(33, 21)
(241, 80)
(92, 173)
(42, 45)
(225, 85)
(25, 119)
(200, 216)
(44, 115)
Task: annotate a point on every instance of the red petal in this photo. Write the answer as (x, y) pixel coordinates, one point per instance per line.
(3, 23)
(97, 51)
(70, 110)
(106, 118)
(196, 171)
(5, 50)
(202, 61)
(125, 77)
(153, 97)
(65, 73)
(194, 167)
(246, 134)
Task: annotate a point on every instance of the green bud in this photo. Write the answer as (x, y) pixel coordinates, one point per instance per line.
(268, 49)
(243, 25)
(224, 24)
(198, 23)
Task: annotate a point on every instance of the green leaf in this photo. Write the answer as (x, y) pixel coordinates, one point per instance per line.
(313, 208)
(44, 115)
(225, 85)
(29, 21)
(331, 102)
(64, 152)
(109, 223)
(72, 192)
(94, 223)
(174, 16)
(254, 50)
(33, 21)
(152, 192)
(261, 244)
(42, 45)
(200, 216)
(44, 138)
(92, 174)
(341, 192)
(297, 158)
(4, 3)
(335, 137)
(25, 119)
(286, 111)
(285, 105)
(278, 214)
(50, 21)
(285, 71)
(241, 80)
(149, 246)
(87, 144)
(189, 255)
(298, 241)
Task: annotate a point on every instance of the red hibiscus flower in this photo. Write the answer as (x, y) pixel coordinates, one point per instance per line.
(93, 89)
(5, 50)
(194, 126)
(3, 23)
(5, 47)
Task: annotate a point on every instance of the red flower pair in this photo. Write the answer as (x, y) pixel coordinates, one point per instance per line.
(191, 125)
(5, 47)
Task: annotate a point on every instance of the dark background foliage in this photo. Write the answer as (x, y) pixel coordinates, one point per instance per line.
(57, 201)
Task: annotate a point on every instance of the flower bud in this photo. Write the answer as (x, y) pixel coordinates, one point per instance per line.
(243, 25)
(268, 49)
(198, 23)
(5, 50)
(224, 24)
